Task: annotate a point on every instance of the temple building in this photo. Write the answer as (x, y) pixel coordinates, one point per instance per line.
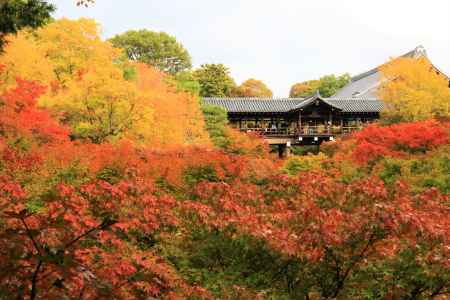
(311, 120)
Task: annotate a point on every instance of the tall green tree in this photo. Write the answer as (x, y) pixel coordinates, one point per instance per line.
(154, 48)
(185, 81)
(327, 85)
(214, 80)
(330, 84)
(216, 121)
(17, 14)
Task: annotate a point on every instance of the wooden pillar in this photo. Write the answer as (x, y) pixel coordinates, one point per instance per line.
(284, 150)
(300, 122)
(281, 148)
(330, 121)
(287, 151)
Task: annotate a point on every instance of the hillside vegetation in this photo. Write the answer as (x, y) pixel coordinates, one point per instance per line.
(116, 183)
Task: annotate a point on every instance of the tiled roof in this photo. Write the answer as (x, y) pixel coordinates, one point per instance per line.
(280, 105)
(311, 99)
(357, 104)
(362, 87)
(249, 105)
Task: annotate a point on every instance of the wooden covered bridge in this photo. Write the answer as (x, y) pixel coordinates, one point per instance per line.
(299, 121)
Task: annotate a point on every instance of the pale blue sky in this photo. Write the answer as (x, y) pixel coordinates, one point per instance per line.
(285, 41)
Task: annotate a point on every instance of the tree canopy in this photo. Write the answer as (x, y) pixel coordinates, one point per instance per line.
(157, 49)
(304, 89)
(327, 85)
(412, 90)
(330, 84)
(17, 14)
(214, 80)
(253, 88)
(96, 92)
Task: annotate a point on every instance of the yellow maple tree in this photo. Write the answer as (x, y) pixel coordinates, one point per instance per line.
(412, 89)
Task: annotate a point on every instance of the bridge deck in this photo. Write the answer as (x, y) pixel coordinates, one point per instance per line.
(307, 135)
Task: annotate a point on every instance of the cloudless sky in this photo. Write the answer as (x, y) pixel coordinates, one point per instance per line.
(284, 41)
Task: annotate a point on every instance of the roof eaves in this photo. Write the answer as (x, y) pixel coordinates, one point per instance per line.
(313, 98)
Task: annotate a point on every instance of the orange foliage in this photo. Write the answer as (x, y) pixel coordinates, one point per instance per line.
(245, 143)
(177, 116)
(92, 91)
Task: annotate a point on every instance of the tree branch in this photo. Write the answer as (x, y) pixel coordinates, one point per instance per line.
(35, 244)
(33, 292)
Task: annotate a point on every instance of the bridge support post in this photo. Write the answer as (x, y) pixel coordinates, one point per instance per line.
(284, 150)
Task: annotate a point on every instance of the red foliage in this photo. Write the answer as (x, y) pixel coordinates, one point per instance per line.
(75, 218)
(73, 215)
(397, 140)
(19, 115)
(314, 216)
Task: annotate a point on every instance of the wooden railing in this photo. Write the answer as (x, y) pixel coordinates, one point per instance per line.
(304, 131)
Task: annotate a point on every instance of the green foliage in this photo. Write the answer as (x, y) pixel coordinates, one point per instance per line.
(305, 149)
(129, 70)
(218, 261)
(422, 172)
(330, 84)
(214, 80)
(407, 274)
(327, 85)
(197, 174)
(297, 164)
(17, 14)
(391, 171)
(185, 81)
(216, 120)
(154, 48)
(110, 174)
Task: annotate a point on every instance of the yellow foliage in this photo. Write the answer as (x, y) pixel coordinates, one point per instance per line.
(178, 119)
(412, 90)
(88, 89)
(91, 91)
(304, 89)
(24, 59)
(253, 88)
